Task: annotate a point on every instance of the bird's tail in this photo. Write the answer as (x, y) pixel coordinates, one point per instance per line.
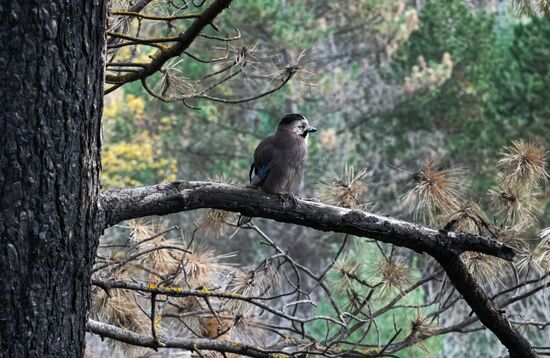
(243, 220)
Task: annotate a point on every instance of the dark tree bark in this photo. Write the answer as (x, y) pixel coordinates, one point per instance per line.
(51, 102)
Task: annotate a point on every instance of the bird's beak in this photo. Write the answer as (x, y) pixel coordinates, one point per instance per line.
(311, 129)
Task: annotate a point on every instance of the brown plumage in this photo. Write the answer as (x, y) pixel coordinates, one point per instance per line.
(279, 159)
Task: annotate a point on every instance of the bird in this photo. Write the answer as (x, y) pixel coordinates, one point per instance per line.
(279, 159)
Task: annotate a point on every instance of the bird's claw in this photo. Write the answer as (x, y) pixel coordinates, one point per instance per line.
(288, 198)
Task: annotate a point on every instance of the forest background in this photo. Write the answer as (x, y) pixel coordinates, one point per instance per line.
(404, 84)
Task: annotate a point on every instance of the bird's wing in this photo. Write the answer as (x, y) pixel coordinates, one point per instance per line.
(258, 175)
(263, 157)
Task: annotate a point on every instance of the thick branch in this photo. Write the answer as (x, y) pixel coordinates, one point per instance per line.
(218, 345)
(156, 18)
(120, 205)
(205, 293)
(126, 336)
(487, 312)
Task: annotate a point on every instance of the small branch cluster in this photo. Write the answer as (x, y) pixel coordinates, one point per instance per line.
(156, 42)
(158, 290)
(438, 197)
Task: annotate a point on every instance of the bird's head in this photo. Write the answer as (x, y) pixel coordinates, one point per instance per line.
(296, 124)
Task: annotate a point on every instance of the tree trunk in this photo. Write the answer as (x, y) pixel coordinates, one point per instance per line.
(51, 101)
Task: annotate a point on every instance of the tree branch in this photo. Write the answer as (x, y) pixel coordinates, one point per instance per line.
(206, 293)
(445, 247)
(183, 42)
(485, 309)
(126, 336)
(162, 199)
(156, 18)
(218, 345)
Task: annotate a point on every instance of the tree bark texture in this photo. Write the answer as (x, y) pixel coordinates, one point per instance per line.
(51, 93)
(162, 199)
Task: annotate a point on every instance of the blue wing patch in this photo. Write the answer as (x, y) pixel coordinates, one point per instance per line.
(258, 176)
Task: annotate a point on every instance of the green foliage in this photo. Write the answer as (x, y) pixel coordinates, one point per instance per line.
(498, 90)
(456, 108)
(285, 23)
(523, 80)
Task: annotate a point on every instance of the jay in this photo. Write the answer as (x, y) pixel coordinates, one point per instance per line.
(279, 159)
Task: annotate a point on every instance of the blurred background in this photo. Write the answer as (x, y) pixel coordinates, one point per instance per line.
(389, 84)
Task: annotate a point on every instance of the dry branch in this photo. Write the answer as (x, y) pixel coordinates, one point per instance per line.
(126, 336)
(162, 199)
(184, 41)
(105, 330)
(485, 309)
(445, 247)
